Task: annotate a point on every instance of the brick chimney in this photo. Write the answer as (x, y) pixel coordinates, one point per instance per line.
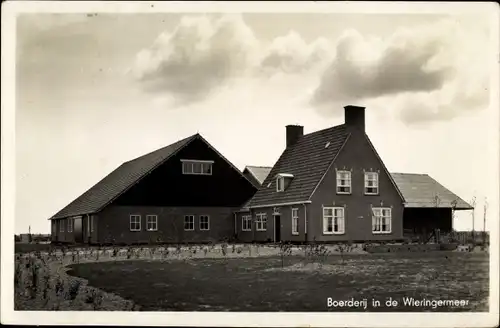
(354, 118)
(293, 134)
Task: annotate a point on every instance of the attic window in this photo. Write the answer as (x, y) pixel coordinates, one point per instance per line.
(327, 144)
(282, 181)
(196, 167)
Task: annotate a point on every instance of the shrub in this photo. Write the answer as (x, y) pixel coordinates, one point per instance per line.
(34, 279)
(59, 287)
(74, 289)
(95, 298)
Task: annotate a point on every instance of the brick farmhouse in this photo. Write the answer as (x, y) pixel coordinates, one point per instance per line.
(327, 186)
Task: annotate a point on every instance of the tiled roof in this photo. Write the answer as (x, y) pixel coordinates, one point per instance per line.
(420, 190)
(119, 181)
(259, 172)
(307, 160)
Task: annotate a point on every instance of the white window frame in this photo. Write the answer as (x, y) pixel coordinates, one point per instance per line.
(379, 214)
(188, 167)
(261, 222)
(191, 221)
(208, 222)
(347, 184)
(137, 223)
(280, 183)
(372, 176)
(246, 223)
(335, 218)
(70, 224)
(152, 220)
(61, 225)
(295, 221)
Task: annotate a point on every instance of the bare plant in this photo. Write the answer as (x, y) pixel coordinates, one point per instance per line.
(345, 248)
(95, 298)
(285, 249)
(34, 270)
(74, 289)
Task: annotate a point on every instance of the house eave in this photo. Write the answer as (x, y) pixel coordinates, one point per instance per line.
(70, 216)
(280, 204)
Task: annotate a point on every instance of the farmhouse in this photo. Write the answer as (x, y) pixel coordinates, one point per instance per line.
(184, 192)
(331, 185)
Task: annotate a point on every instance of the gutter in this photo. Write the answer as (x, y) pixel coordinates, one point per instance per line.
(281, 204)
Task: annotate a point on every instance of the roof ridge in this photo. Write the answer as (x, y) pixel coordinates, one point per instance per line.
(259, 166)
(127, 184)
(325, 129)
(162, 148)
(410, 173)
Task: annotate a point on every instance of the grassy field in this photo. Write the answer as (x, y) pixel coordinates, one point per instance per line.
(23, 248)
(264, 284)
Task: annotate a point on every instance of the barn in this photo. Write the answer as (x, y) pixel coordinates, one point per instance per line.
(184, 192)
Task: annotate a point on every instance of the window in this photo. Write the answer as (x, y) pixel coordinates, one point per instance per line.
(189, 222)
(381, 222)
(343, 182)
(333, 220)
(246, 223)
(280, 183)
(61, 225)
(204, 222)
(295, 221)
(135, 223)
(151, 222)
(371, 183)
(197, 167)
(70, 225)
(261, 222)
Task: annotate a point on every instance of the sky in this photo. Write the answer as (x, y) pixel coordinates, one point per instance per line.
(95, 90)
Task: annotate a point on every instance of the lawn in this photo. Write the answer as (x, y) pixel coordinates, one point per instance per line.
(262, 284)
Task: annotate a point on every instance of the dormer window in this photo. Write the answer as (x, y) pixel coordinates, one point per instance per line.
(196, 167)
(282, 181)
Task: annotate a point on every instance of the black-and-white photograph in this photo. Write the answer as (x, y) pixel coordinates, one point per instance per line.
(252, 159)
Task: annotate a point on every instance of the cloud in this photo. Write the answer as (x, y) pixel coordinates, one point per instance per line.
(197, 57)
(433, 72)
(292, 54)
(204, 53)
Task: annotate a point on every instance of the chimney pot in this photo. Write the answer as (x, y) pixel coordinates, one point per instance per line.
(293, 134)
(355, 117)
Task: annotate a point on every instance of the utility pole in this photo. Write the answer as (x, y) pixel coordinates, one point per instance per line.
(473, 202)
(484, 219)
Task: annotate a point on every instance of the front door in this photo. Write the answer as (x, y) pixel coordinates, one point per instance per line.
(277, 228)
(78, 229)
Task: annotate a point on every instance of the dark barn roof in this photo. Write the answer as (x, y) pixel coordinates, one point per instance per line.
(260, 173)
(420, 190)
(118, 181)
(307, 161)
